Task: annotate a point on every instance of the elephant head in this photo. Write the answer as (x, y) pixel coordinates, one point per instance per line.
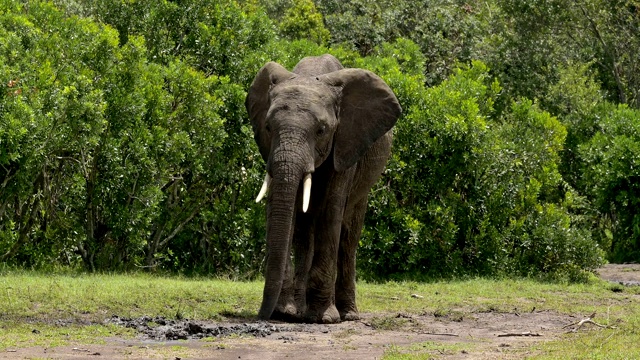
(301, 120)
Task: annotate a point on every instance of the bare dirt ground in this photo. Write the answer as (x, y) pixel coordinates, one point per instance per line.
(486, 335)
(624, 274)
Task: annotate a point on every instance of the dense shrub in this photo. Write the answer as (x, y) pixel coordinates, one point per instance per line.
(467, 192)
(446, 31)
(303, 21)
(612, 178)
(214, 37)
(106, 156)
(124, 142)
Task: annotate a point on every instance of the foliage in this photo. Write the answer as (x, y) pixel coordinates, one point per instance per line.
(303, 21)
(53, 115)
(537, 35)
(599, 158)
(574, 98)
(446, 31)
(129, 153)
(124, 141)
(612, 178)
(212, 36)
(468, 193)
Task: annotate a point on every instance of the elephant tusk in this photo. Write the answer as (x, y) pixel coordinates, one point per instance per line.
(265, 187)
(306, 193)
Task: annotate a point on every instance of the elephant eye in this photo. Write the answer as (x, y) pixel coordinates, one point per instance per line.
(268, 127)
(320, 131)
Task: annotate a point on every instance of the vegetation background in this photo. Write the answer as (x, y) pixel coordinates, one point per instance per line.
(124, 142)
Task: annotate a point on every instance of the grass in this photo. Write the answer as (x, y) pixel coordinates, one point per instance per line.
(24, 334)
(425, 350)
(480, 295)
(96, 297)
(620, 342)
(33, 304)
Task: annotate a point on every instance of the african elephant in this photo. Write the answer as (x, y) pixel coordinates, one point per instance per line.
(335, 124)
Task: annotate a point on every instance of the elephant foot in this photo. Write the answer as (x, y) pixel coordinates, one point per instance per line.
(349, 316)
(288, 313)
(348, 312)
(326, 315)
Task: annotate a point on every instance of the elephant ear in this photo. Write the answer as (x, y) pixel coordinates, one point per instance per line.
(258, 102)
(368, 110)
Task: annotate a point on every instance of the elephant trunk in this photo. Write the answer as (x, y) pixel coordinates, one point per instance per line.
(281, 209)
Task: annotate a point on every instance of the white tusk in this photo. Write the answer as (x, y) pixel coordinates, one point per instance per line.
(265, 187)
(306, 192)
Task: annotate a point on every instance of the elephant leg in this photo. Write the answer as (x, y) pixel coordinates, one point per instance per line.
(303, 245)
(368, 171)
(321, 279)
(322, 274)
(346, 281)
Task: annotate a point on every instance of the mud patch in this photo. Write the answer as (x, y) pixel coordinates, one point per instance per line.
(160, 328)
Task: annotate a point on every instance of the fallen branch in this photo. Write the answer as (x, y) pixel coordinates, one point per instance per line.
(86, 350)
(586, 321)
(526, 333)
(436, 334)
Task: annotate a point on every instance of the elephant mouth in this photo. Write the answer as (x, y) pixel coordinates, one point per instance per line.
(306, 190)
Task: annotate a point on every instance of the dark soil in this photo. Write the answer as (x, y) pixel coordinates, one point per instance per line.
(161, 329)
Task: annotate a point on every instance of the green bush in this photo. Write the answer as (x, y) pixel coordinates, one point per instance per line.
(52, 114)
(612, 178)
(106, 157)
(468, 193)
(447, 32)
(124, 142)
(213, 37)
(303, 21)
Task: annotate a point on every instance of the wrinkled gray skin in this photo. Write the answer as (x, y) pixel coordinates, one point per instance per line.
(335, 124)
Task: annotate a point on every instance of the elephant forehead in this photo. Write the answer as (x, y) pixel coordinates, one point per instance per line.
(302, 96)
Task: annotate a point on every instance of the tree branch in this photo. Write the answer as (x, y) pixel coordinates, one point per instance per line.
(610, 53)
(178, 228)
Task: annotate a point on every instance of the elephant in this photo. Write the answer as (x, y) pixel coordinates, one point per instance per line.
(334, 124)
